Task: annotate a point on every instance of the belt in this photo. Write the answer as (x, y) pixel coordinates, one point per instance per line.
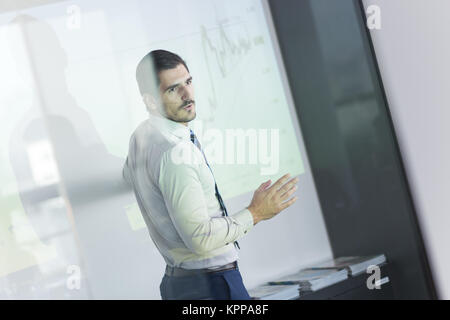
(180, 272)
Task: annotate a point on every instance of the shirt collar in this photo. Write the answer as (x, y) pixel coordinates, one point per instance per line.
(170, 127)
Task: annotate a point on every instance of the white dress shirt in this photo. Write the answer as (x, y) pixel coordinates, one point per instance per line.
(177, 197)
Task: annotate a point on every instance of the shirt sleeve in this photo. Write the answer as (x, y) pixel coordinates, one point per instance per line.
(185, 201)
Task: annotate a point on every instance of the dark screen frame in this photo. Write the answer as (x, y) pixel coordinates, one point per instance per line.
(383, 221)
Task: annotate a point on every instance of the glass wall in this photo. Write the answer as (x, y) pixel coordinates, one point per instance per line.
(70, 227)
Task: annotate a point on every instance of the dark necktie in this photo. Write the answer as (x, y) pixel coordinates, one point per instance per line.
(218, 196)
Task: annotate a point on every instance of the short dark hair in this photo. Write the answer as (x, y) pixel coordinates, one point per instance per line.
(151, 65)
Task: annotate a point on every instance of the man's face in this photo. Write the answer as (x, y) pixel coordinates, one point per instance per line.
(177, 94)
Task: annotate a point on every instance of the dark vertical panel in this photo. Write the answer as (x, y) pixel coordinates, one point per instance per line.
(349, 138)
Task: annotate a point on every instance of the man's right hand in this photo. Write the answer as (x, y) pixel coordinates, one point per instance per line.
(268, 200)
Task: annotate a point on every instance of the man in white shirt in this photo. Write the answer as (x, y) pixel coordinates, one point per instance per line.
(180, 200)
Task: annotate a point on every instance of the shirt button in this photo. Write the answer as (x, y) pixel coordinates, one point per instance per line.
(228, 243)
(245, 231)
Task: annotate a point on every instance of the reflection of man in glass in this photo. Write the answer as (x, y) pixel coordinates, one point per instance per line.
(180, 202)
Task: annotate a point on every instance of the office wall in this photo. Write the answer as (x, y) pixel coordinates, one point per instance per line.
(413, 50)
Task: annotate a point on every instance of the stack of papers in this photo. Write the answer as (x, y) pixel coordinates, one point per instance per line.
(315, 277)
(312, 280)
(354, 265)
(281, 292)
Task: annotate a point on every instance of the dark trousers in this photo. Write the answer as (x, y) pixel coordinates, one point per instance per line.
(222, 285)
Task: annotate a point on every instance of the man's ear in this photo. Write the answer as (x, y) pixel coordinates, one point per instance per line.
(150, 102)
